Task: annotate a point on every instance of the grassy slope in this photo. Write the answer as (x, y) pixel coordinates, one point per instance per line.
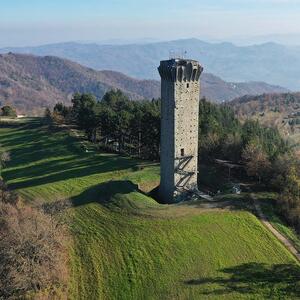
(126, 246)
(268, 205)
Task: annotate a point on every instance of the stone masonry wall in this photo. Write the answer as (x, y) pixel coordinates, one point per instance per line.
(179, 127)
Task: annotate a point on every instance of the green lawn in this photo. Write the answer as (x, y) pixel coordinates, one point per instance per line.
(126, 246)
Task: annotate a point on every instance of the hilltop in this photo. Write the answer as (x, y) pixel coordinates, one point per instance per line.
(125, 244)
(269, 62)
(31, 83)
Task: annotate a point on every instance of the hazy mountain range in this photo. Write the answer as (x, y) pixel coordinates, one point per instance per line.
(32, 83)
(270, 62)
(284, 39)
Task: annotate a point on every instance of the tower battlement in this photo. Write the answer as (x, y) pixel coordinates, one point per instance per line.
(180, 93)
(180, 70)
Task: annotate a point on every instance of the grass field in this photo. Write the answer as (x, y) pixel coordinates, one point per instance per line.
(127, 246)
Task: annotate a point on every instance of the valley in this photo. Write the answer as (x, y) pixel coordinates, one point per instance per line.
(270, 62)
(33, 83)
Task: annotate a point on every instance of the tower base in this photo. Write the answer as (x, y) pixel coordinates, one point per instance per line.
(169, 197)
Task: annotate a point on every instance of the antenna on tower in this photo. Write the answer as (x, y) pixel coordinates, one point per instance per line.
(177, 54)
(171, 54)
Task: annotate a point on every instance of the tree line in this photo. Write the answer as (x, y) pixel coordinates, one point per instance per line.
(115, 123)
(133, 127)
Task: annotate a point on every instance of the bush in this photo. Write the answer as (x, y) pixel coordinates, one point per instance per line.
(256, 161)
(8, 111)
(7, 196)
(289, 200)
(32, 252)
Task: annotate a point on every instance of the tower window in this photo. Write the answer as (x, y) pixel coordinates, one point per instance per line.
(182, 151)
(187, 85)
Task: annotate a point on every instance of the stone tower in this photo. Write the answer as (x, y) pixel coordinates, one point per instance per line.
(180, 92)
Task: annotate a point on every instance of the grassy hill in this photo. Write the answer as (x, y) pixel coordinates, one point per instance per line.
(126, 245)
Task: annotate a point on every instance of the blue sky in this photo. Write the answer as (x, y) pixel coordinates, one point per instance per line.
(31, 22)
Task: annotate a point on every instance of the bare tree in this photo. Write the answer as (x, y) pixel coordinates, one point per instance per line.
(33, 253)
(257, 162)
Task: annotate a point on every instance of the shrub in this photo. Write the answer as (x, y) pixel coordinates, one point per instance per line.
(32, 252)
(7, 196)
(256, 160)
(8, 111)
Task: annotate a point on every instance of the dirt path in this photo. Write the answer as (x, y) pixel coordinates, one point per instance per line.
(287, 243)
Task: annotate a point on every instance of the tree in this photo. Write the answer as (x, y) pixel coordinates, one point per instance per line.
(150, 130)
(61, 113)
(47, 116)
(289, 200)
(114, 98)
(269, 139)
(257, 162)
(231, 147)
(33, 253)
(84, 112)
(61, 109)
(8, 111)
(281, 169)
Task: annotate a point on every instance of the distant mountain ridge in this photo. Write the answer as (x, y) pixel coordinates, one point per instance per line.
(268, 62)
(216, 89)
(32, 83)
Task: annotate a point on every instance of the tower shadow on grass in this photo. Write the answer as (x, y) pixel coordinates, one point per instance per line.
(269, 281)
(104, 192)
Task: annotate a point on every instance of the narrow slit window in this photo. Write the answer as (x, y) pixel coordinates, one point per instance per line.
(182, 152)
(187, 85)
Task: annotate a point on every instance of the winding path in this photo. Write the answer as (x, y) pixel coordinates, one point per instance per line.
(287, 243)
